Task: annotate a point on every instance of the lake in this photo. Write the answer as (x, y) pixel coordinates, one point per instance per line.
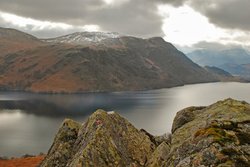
(29, 122)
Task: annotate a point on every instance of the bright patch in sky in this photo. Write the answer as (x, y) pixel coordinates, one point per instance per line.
(115, 2)
(184, 26)
(108, 1)
(36, 25)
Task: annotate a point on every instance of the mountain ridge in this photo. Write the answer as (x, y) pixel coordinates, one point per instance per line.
(83, 37)
(111, 64)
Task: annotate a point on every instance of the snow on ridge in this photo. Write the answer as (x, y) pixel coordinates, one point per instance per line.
(83, 37)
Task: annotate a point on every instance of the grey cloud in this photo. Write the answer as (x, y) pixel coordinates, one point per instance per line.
(173, 2)
(218, 46)
(134, 17)
(211, 46)
(42, 33)
(231, 14)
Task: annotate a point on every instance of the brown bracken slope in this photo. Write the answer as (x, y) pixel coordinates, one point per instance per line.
(22, 162)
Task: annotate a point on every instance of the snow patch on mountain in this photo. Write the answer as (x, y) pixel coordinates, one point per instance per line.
(83, 37)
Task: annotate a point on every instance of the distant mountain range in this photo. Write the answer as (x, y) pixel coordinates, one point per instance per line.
(93, 61)
(235, 61)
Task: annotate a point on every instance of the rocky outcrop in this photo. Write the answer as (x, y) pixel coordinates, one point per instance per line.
(217, 135)
(106, 139)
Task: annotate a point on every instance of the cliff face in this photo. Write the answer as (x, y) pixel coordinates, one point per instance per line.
(217, 135)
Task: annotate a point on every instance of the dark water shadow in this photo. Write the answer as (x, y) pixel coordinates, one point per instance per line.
(73, 105)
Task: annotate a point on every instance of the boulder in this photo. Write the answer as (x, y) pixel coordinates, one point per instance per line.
(217, 135)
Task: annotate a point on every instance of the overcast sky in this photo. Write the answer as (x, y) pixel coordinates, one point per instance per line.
(186, 23)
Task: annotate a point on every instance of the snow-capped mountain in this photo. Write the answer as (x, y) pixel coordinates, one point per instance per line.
(83, 37)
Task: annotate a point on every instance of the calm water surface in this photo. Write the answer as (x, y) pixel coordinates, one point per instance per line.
(28, 122)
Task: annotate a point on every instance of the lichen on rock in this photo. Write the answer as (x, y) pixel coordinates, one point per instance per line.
(104, 140)
(61, 150)
(217, 135)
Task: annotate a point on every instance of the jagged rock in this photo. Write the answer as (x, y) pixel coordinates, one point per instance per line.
(61, 150)
(159, 156)
(106, 139)
(157, 140)
(217, 135)
(184, 116)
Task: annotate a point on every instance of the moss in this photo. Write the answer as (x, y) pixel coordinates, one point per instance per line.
(219, 135)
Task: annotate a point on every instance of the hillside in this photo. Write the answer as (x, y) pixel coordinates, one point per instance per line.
(223, 75)
(207, 57)
(22, 162)
(235, 61)
(216, 135)
(218, 71)
(238, 69)
(13, 40)
(112, 64)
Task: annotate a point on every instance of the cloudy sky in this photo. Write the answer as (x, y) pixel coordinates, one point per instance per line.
(186, 23)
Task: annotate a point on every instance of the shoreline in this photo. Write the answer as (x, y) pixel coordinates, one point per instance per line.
(106, 91)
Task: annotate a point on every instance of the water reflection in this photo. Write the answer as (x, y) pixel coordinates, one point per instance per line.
(29, 121)
(72, 105)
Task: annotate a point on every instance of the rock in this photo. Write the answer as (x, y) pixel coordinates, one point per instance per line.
(4, 158)
(159, 156)
(184, 116)
(62, 148)
(27, 156)
(217, 135)
(104, 140)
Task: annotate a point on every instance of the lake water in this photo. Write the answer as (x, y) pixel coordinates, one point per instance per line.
(29, 122)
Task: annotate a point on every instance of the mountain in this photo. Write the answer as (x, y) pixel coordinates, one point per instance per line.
(217, 58)
(218, 71)
(112, 64)
(235, 61)
(217, 135)
(13, 40)
(223, 75)
(83, 37)
(238, 69)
